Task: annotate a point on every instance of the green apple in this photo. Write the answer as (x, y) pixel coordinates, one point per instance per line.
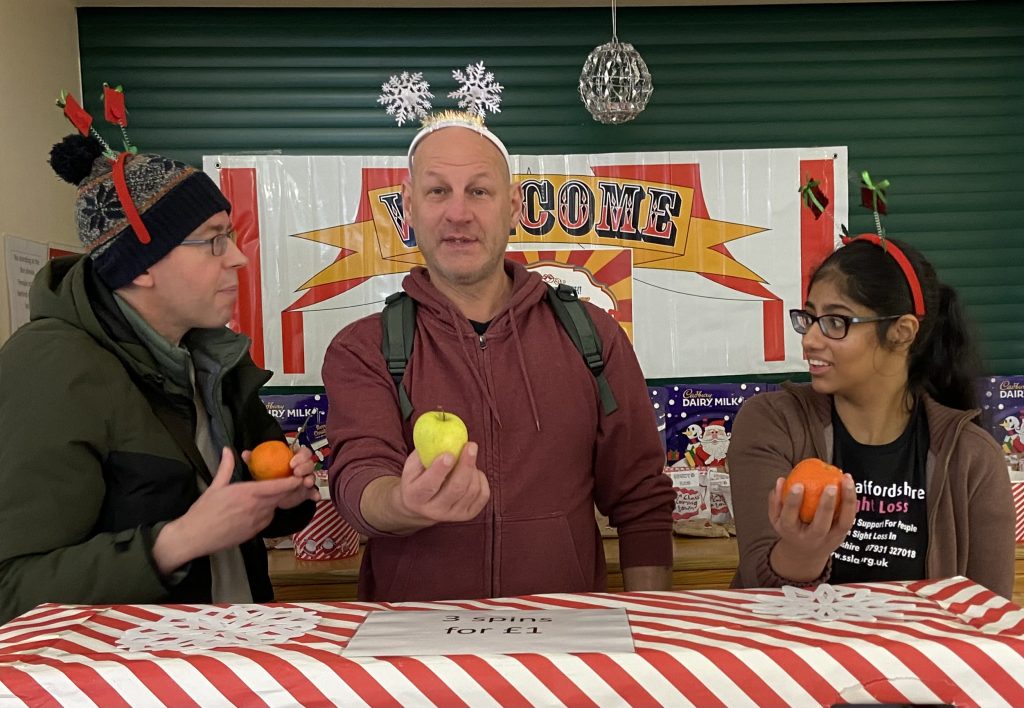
(438, 432)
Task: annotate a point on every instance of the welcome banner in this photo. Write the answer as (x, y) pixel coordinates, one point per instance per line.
(721, 246)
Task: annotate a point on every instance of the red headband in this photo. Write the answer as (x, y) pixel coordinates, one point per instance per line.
(901, 260)
(127, 203)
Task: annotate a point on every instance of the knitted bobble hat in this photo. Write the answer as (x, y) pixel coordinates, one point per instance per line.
(171, 199)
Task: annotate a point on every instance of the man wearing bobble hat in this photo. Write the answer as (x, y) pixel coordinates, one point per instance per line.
(129, 408)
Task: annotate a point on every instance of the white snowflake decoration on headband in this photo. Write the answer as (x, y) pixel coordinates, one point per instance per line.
(480, 92)
(406, 96)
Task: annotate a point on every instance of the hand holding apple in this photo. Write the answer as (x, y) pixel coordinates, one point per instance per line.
(438, 432)
(433, 487)
(443, 492)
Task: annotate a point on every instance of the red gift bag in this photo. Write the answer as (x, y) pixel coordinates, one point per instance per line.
(328, 536)
(1018, 504)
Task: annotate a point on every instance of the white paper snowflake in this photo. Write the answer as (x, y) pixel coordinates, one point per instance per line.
(406, 96)
(480, 92)
(220, 627)
(827, 603)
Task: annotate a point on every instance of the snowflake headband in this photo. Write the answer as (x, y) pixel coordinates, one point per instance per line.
(407, 96)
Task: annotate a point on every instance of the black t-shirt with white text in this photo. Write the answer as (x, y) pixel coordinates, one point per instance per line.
(889, 537)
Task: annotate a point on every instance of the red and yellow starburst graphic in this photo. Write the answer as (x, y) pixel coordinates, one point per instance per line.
(373, 244)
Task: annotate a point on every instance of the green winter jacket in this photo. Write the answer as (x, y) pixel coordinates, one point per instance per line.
(100, 450)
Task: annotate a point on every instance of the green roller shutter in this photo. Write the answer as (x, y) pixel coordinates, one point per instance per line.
(929, 95)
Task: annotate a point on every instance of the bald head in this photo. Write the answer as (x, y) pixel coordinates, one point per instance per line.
(458, 147)
(467, 122)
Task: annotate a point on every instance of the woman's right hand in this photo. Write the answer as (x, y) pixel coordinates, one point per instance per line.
(803, 549)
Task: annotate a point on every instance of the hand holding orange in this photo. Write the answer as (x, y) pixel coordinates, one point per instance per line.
(815, 475)
(270, 460)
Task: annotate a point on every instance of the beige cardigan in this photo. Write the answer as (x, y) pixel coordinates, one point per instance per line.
(970, 508)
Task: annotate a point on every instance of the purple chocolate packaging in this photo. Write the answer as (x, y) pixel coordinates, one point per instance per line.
(1002, 410)
(698, 420)
(292, 411)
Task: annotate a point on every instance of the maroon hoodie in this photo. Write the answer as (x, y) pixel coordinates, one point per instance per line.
(549, 453)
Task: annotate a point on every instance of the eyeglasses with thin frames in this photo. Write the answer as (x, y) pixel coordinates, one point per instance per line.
(832, 326)
(218, 244)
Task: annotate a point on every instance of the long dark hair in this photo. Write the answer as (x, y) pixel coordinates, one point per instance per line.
(943, 360)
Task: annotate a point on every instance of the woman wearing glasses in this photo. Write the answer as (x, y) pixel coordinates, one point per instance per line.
(891, 402)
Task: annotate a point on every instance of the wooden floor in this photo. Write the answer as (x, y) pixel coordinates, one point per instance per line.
(699, 563)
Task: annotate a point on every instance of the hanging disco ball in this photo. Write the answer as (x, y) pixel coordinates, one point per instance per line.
(615, 84)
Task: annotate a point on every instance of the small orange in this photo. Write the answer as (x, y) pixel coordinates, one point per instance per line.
(815, 475)
(269, 460)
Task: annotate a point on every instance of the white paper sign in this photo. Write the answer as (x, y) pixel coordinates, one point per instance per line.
(24, 259)
(441, 632)
(721, 242)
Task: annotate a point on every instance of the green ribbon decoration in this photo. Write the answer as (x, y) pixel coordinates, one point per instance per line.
(808, 195)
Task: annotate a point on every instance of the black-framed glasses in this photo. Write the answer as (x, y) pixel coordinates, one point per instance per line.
(218, 244)
(832, 326)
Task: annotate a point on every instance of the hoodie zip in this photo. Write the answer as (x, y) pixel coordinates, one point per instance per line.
(527, 292)
(493, 580)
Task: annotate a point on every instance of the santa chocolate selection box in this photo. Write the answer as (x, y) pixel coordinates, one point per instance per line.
(1002, 411)
(698, 421)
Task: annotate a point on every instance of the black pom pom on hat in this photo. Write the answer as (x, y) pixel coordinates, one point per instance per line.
(72, 158)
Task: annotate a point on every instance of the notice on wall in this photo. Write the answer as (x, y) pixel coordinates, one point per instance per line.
(24, 258)
(457, 631)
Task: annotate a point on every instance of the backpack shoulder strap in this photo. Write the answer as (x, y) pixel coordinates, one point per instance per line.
(577, 323)
(398, 321)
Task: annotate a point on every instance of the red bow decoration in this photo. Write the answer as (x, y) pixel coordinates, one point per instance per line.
(872, 194)
(114, 111)
(74, 112)
(813, 197)
(113, 106)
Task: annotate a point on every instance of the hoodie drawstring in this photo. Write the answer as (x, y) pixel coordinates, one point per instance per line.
(522, 366)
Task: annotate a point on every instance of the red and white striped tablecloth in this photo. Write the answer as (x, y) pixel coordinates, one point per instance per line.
(954, 643)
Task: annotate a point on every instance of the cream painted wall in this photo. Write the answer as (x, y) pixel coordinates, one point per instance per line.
(38, 57)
